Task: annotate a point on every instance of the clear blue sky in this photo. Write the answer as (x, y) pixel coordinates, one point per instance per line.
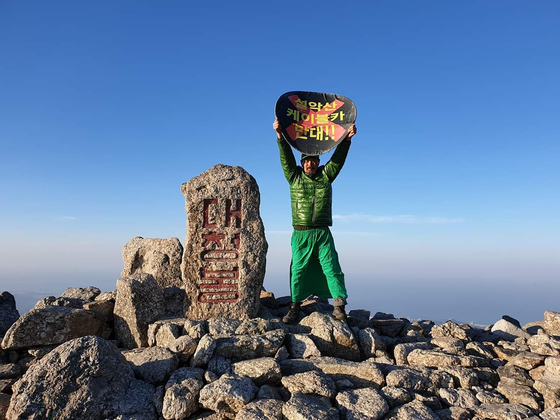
(448, 205)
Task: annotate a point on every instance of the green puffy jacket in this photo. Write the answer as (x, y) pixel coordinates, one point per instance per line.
(311, 197)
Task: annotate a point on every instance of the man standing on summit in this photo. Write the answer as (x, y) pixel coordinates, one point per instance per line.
(315, 269)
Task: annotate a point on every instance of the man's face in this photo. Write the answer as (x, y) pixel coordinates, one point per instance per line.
(310, 166)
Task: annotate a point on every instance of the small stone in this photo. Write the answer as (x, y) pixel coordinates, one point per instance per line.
(243, 347)
(390, 327)
(222, 327)
(449, 329)
(370, 342)
(282, 354)
(229, 394)
(518, 394)
(488, 397)
(152, 364)
(301, 346)
(87, 294)
(362, 404)
(454, 413)
(195, 329)
(10, 371)
(309, 407)
(508, 331)
(551, 414)
(219, 365)
(312, 382)
(256, 326)
(503, 411)
(515, 373)
(458, 398)
(264, 370)
(396, 396)
(552, 323)
(204, 351)
(265, 409)
(527, 360)
(414, 410)
(409, 379)
(549, 387)
(268, 392)
(181, 393)
(362, 375)
(184, 347)
(332, 337)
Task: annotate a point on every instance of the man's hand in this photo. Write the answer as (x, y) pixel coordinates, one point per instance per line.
(352, 132)
(277, 128)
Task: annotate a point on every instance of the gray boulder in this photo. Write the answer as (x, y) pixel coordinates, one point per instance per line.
(181, 393)
(503, 412)
(229, 394)
(449, 329)
(332, 337)
(458, 398)
(159, 257)
(204, 351)
(152, 364)
(414, 410)
(86, 294)
(508, 331)
(264, 409)
(552, 323)
(8, 312)
(86, 378)
(361, 374)
(50, 326)
(301, 346)
(243, 347)
(361, 404)
(264, 370)
(139, 302)
(312, 382)
(309, 407)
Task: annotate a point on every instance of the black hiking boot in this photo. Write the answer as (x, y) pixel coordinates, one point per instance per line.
(339, 313)
(293, 314)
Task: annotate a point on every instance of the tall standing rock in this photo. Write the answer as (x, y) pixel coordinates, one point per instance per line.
(159, 257)
(225, 250)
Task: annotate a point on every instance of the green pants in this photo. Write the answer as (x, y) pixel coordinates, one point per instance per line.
(315, 269)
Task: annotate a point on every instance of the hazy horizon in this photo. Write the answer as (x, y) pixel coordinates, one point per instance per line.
(447, 206)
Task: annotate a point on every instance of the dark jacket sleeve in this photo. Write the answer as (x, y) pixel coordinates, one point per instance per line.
(335, 164)
(287, 160)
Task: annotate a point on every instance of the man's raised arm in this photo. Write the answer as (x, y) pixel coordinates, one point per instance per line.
(287, 158)
(336, 162)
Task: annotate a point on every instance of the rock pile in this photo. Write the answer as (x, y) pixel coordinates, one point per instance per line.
(61, 360)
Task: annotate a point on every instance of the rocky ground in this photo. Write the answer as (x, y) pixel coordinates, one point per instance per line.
(92, 355)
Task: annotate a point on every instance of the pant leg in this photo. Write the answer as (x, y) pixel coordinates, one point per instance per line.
(328, 257)
(302, 251)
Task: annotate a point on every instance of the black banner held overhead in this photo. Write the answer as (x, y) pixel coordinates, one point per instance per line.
(313, 122)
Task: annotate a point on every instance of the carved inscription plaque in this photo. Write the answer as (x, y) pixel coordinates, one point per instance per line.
(225, 254)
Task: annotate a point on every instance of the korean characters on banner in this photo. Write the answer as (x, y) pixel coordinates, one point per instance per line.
(218, 280)
(314, 123)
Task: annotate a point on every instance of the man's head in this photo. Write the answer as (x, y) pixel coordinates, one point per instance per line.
(309, 164)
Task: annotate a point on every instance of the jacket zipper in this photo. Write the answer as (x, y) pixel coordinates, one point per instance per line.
(313, 204)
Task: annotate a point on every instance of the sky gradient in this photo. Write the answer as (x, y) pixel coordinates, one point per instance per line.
(447, 206)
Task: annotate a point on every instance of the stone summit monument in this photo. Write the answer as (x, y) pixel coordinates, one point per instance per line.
(224, 259)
